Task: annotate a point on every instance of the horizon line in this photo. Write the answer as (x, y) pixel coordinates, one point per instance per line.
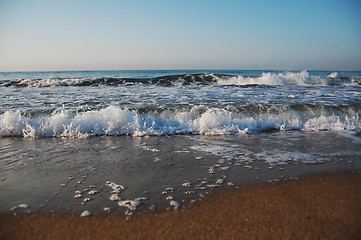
(183, 69)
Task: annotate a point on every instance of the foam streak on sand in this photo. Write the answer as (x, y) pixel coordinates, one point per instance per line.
(318, 207)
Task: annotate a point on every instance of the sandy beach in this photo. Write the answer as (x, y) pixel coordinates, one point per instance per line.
(323, 206)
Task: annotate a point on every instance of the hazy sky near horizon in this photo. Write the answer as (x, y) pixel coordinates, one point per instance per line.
(41, 35)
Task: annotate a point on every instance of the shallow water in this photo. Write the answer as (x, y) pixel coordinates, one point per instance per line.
(33, 170)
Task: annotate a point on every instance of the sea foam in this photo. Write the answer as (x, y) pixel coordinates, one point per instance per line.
(208, 121)
(302, 78)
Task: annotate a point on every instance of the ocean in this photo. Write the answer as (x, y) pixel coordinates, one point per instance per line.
(147, 103)
(168, 138)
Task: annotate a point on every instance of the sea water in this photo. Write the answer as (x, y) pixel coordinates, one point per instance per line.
(141, 103)
(153, 130)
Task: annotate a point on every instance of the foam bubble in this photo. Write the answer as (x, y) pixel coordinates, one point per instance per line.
(130, 204)
(174, 204)
(114, 197)
(23, 205)
(117, 188)
(85, 213)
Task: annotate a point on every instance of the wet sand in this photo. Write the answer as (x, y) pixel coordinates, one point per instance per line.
(323, 206)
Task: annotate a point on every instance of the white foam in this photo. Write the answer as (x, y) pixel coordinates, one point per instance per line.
(220, 181)
(52, 82)
(331, 123)
(174, 204)
(141, 199)
(130, 204)
(116, 187)
(186, 184)
(274, 158)
(208, 121)
(93, 192)
(333, 75)
(288, 78)
(114, 197)
(85, 213)
(224, 150)
(78, 195)
(23, 205)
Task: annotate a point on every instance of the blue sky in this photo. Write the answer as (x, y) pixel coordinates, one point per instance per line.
(179, 34)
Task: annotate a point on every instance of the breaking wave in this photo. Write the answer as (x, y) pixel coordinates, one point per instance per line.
(195, 120)
(302, 78)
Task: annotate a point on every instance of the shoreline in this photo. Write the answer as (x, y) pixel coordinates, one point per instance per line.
(160, 169)
(326, 206)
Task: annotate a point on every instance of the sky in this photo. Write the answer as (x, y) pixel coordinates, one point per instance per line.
(45, 35)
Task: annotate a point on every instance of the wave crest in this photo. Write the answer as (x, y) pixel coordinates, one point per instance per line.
(289, 78)
(302, 78)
